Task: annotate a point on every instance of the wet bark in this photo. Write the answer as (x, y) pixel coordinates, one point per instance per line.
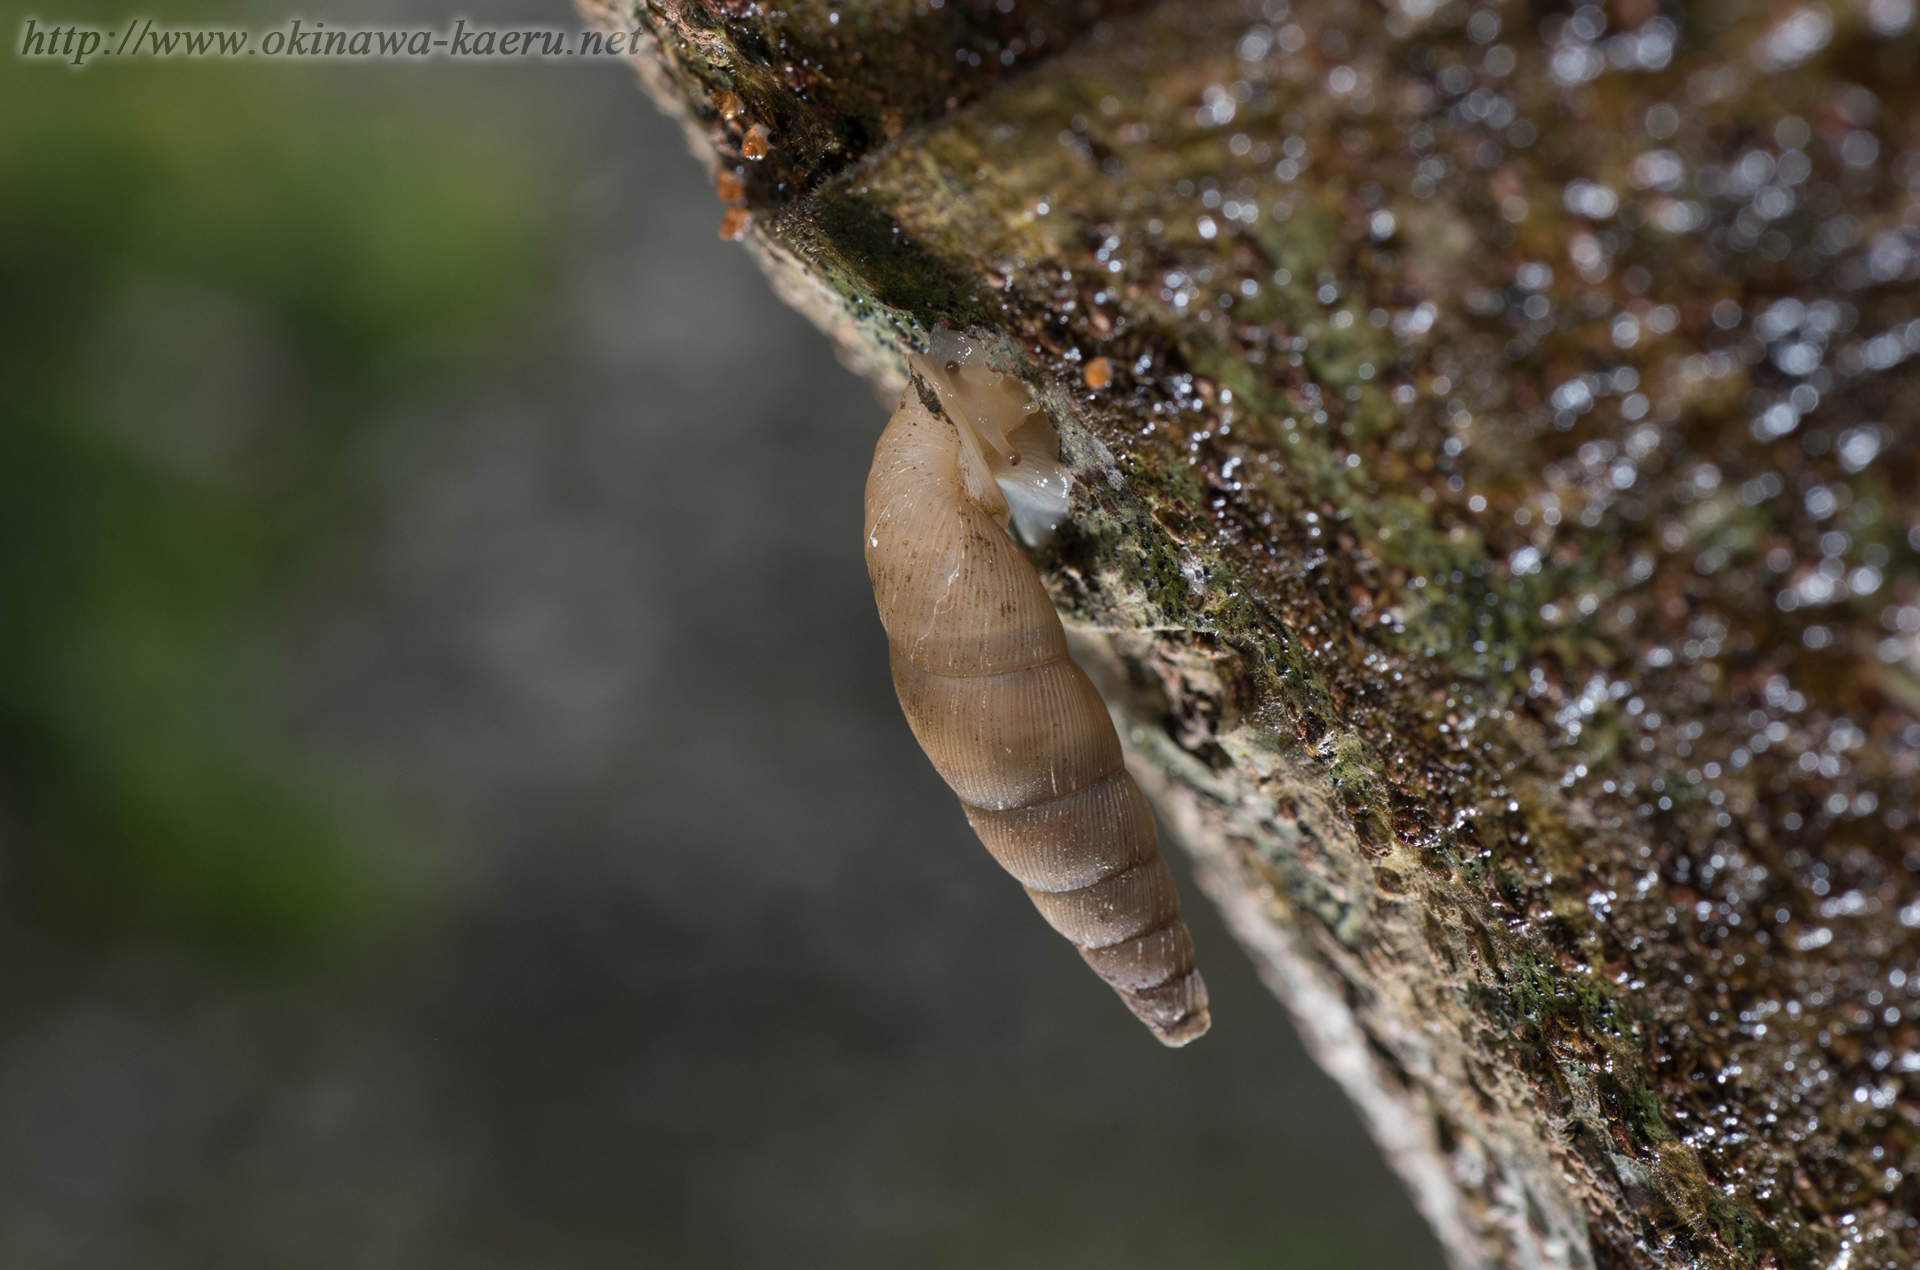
(1495, 522)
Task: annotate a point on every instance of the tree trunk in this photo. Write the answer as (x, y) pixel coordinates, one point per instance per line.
(1495, 445)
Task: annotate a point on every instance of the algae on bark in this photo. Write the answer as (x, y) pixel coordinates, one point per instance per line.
(1496, 516)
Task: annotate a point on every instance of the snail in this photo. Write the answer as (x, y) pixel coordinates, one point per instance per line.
(1013, 726)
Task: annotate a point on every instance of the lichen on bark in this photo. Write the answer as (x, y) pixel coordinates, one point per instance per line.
(1496, 518)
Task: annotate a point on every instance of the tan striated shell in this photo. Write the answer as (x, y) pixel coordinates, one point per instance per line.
(980, 663)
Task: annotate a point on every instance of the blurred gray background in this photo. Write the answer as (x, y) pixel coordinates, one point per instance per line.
(662, 944)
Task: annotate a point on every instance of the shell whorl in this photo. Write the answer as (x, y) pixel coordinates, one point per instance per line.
(980, 661)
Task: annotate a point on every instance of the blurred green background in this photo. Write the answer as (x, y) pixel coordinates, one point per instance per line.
(219, 280)
(455, 811)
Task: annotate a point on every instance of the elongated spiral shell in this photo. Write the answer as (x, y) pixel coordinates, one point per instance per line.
(980, 662)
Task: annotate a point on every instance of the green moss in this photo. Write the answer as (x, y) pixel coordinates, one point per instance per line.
(1640, 1109)
(862, 239)
(1738, 1226)
(1535, 995)
(1353, 770)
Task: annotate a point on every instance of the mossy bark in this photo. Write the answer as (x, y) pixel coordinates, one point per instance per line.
(1495, 518)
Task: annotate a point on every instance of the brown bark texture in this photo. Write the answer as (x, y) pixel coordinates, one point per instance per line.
(1495, 525)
